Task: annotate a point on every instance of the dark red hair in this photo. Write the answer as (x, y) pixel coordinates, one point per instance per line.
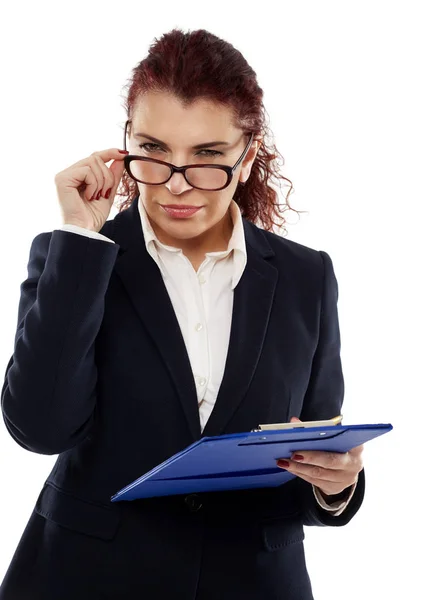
(199, 65)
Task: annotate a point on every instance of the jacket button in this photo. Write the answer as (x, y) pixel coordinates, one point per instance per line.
(193, 502)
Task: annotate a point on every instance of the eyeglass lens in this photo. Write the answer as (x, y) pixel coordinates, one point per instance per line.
(154, 173)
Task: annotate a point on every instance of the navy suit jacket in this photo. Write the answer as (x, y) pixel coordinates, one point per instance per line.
(100, 376)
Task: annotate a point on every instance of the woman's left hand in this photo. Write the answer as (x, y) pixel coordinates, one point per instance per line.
(331, 472)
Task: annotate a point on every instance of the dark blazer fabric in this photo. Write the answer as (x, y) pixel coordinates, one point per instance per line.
(101, 377)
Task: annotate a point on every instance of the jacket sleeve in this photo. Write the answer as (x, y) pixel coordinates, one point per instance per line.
(48, 397)
(324, 399)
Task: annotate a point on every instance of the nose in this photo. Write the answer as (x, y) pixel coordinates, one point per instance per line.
(178, 184)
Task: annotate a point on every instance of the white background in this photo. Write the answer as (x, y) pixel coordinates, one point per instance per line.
(342, 88)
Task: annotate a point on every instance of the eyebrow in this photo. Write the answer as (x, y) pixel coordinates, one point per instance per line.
(197, 147)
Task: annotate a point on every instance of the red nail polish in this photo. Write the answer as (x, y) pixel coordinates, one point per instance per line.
(123, 151)
(107, 195)
(98, 195)
(297, 457)
(283, 463)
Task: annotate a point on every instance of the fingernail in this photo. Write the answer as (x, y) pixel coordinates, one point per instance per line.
(123, 151)
(297, 457)
(98, 195)
(283, 463)
(107, 195)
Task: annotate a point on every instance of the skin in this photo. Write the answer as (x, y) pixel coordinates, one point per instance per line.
(331, 472)
(162, 116)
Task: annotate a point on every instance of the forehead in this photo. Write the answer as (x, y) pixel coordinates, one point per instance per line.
(165, 117)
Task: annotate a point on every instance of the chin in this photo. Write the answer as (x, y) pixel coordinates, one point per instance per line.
(184, 232)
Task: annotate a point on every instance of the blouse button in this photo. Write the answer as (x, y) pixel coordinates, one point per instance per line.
(199, 326)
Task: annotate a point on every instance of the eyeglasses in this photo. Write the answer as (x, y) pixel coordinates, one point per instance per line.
(152, 171)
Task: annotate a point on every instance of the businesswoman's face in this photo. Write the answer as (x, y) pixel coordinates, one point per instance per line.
(176, 130)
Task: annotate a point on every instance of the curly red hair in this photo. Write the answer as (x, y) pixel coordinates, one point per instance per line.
(199, 65)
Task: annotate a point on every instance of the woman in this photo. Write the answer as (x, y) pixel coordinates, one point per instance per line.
(177, 319)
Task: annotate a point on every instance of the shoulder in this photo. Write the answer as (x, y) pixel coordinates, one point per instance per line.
(282, 245)
(283, 251)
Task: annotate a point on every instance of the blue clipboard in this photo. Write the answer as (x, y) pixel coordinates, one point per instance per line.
(242, 460)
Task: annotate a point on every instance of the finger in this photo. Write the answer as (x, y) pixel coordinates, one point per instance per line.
(328, 460)
(81, 177)
(117, 170)
(95, 164)
(295, 420)
(107, 176)
(315, 472)
(111, 154)
(105, 156)
(357, 451)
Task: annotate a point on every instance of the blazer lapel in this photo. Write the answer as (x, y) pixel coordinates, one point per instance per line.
(253, 299)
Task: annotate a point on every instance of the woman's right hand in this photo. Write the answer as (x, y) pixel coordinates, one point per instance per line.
(78, 186)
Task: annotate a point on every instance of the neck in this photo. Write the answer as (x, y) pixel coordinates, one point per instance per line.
(215, 239)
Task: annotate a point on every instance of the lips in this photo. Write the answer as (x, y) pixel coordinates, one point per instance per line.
(180, 211)
(180, 206)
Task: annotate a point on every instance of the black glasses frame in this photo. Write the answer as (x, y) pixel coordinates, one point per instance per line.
(228, 170)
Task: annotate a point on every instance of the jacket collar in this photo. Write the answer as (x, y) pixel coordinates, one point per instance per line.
(237, 242)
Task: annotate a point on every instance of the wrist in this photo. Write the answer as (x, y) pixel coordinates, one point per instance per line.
(332, 498)
(81, 225)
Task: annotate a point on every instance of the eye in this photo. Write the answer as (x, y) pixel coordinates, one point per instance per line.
(211, 153)
(147, 148)
(143, 146)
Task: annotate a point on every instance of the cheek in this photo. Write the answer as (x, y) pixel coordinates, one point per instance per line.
(213, 212)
